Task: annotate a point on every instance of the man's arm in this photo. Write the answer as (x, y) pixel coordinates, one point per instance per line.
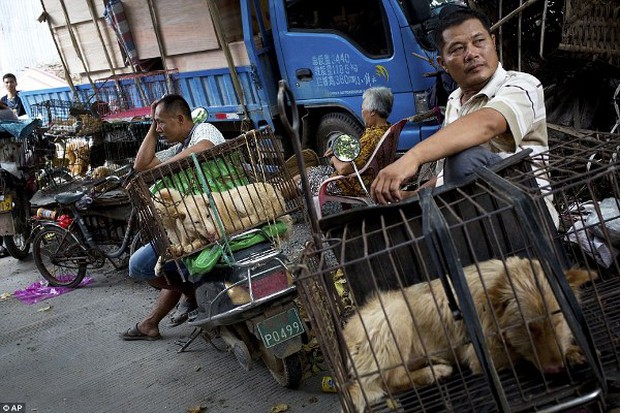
(197, 147)
(145, 158)
(471, 130)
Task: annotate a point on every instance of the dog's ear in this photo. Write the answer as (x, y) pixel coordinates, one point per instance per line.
(499, 297)
(576, 277)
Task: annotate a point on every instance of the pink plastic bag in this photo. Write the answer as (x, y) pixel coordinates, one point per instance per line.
(40, 290)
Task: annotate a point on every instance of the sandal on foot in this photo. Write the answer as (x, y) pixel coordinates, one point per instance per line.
(133, 334)
(181, 314)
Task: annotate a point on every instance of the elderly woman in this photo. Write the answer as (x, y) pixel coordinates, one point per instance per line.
(376, 107)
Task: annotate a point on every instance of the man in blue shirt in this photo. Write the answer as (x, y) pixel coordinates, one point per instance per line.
(12, 99)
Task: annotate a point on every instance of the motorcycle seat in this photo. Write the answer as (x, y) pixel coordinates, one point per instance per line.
(65, 198)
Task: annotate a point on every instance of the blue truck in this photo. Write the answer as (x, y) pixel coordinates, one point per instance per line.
(329, 52)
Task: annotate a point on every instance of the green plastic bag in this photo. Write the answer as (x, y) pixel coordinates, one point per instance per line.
(201, 263)
(220, 175)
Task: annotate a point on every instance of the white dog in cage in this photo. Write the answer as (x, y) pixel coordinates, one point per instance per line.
(411, 337)
(194, 222)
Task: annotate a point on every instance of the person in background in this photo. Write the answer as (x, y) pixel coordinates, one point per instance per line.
(12, 99)
(493, 113)
(173, 120)
(377, 105)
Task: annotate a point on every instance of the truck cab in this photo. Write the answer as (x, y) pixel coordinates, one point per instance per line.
(331, 51)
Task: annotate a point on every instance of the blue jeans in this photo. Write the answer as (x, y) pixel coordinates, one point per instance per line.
(142, 264)
(461, 165)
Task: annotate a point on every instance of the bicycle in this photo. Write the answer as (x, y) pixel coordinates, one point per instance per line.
(81, 239)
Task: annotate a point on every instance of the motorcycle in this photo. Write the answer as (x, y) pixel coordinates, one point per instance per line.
(246, 305)
(22, 153)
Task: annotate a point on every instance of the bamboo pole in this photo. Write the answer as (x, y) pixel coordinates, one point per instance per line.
(59, 50)
(76, 46)
(93, 16)
(160, 44)
(221, 37)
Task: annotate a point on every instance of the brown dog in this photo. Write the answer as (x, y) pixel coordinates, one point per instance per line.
(239, 208)
(421, 341)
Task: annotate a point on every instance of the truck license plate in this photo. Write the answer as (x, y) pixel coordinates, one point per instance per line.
(6, 203)
(280, 327)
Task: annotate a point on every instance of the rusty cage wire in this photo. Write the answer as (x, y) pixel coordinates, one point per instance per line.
(190, 204)
(410, 246)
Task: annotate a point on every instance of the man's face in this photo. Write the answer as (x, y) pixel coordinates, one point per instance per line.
(169, 125)
(10, 84)
(469, 54)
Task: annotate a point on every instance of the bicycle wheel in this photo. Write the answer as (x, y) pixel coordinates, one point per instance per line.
(59, 257)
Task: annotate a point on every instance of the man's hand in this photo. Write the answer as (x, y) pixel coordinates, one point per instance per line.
(153, 106)
(385, 188)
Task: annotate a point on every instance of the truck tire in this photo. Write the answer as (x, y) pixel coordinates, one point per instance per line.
(334, 124)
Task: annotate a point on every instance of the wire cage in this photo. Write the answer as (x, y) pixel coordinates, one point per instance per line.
(121, 140)
(192, 203)
(129, 95)
(66, 118)
(405, 301)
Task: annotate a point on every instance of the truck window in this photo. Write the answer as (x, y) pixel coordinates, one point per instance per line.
(363, 22)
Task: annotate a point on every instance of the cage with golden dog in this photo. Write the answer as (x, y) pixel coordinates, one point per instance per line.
(189, 205)
(470, 298)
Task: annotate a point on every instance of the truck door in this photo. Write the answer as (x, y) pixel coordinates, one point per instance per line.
(339, 48)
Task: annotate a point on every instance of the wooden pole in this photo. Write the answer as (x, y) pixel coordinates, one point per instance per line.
(221, 37)
(76, 46)
(160, 44)
(59, 50)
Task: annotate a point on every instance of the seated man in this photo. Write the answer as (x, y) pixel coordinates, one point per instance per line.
(172, 119)
(493, 114)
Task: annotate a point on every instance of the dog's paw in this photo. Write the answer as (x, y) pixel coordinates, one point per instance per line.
(176, 250)
(574, 355)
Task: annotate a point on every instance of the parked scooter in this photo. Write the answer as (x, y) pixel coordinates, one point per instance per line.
(246, 306)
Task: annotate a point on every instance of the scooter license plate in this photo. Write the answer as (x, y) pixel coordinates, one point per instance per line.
(280, 328)
(6, 203)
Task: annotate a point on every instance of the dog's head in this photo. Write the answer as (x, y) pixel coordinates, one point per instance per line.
(167, 202)
(530, 317)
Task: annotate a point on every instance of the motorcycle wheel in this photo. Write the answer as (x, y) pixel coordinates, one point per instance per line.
(18, 244)
(58, 257)
(287, 372)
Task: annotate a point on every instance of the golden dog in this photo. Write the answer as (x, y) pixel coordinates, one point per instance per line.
(422, 341)
(239, 208)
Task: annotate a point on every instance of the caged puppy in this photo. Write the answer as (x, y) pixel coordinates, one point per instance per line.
(191, 217)
(429, 340)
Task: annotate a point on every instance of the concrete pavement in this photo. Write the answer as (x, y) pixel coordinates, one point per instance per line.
(68, 357)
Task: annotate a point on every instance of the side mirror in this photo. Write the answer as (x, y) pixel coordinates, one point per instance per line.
(346, 148)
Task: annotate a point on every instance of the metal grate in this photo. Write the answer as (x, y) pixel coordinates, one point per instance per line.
(410, 245)
(251, 163)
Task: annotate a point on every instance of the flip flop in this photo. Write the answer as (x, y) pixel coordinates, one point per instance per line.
(133, 334)
(181, 314)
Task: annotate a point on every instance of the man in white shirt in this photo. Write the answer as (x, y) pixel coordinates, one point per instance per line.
(494, 113)
(173, 121)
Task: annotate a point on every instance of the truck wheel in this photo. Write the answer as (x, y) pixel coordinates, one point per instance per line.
(334, 124)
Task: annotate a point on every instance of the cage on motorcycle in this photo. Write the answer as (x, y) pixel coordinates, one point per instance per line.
(14, 144)
(234, 173)
(393, 247)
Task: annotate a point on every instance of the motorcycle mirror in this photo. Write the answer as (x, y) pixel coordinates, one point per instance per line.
(346, 148)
